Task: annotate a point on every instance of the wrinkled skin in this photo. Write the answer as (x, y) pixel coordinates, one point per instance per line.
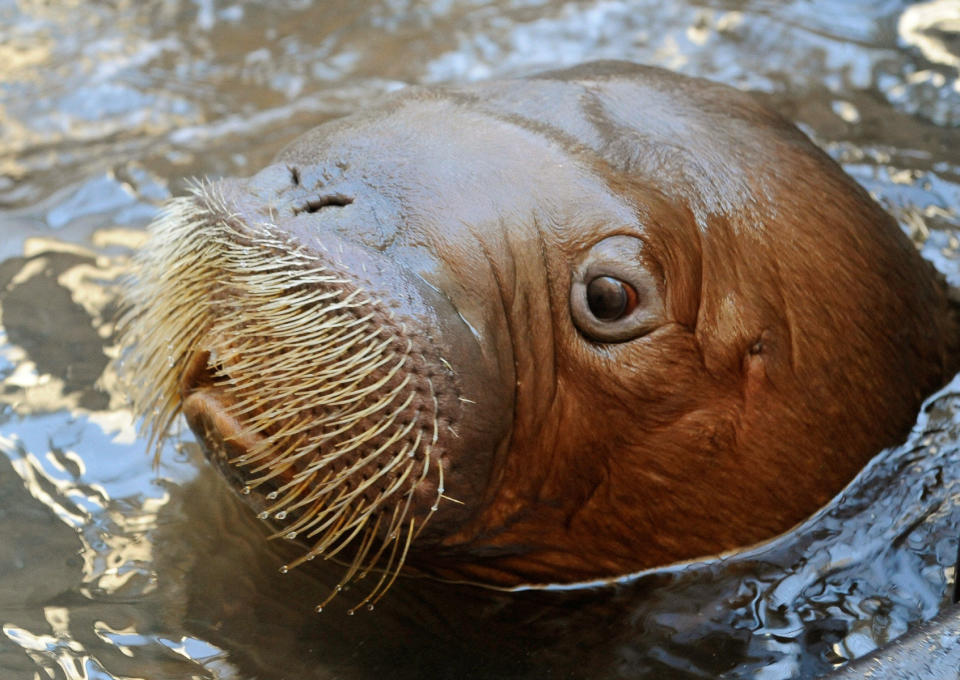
(786, 330)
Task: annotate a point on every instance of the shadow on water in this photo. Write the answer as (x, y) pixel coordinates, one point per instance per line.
(113, 568)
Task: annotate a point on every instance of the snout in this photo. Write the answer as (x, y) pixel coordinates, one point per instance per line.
(343, 395)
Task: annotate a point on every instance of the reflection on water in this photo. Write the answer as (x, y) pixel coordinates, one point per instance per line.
(111, 568)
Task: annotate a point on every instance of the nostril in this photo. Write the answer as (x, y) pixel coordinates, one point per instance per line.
(294, 175)
(317, 204)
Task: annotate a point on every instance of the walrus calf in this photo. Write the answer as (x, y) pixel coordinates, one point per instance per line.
(542, 330)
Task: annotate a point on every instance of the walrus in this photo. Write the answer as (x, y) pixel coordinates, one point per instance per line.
(546, 330)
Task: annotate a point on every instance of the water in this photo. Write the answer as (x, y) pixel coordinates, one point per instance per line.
(113, 568)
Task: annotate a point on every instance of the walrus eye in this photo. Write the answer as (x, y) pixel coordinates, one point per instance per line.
(614, 295)
(609, 298)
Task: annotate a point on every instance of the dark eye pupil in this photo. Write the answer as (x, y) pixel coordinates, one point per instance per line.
(608, 298)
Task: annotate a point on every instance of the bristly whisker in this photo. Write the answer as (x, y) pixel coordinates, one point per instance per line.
(343, 431)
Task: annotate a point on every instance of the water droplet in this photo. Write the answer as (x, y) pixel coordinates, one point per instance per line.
(264, 515)
(370, 607)
(433, 508)
(284, 569)
(291, 535)
(349, 612)
(281, 515)
(311, 556)
(440, 490)
(318, 609)
(393, 536)
(272, 496)
(339, 588)
(245, 491)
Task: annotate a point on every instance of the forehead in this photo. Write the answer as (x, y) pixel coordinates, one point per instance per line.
(431, 162)
(698, 143)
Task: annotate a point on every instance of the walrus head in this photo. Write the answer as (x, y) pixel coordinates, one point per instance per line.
(542, 330)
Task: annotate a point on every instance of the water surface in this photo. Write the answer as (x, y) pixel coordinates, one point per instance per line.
(113, 568)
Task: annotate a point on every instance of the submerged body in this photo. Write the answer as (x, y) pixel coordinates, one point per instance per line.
(543, 330)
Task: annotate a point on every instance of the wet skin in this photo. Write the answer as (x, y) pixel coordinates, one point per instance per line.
(657, 322)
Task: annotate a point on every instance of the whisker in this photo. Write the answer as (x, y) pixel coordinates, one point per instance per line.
(317, 371)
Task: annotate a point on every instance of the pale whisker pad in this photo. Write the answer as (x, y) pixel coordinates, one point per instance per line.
(302, 378)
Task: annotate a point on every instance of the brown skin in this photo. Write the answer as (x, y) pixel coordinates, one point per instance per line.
(788, 330)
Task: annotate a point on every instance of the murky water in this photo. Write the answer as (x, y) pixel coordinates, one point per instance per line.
(113, 568)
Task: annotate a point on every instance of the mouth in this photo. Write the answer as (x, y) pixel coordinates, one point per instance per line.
(225, 438)
(332, 467)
